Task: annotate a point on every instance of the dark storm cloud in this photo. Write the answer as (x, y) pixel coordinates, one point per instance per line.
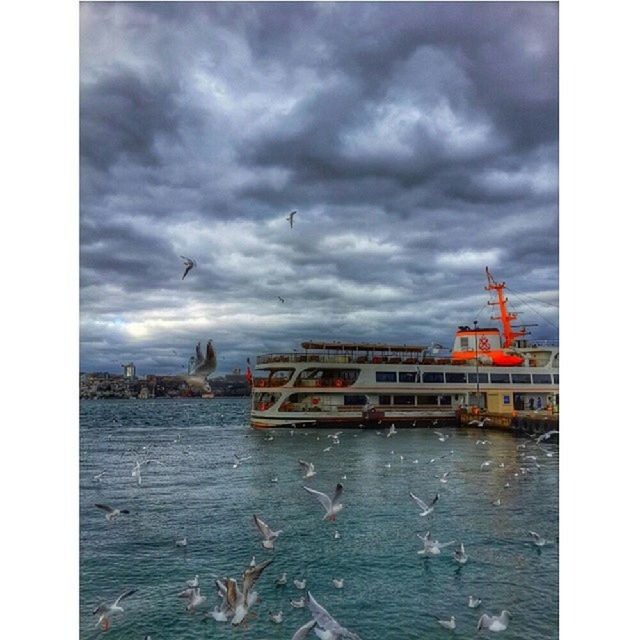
(418, 141)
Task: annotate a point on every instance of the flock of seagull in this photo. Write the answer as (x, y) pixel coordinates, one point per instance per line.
(238, 597)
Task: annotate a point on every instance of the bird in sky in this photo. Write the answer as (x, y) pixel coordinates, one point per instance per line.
(290, 218)
(310, 470)
(189, 264)
(281, 299)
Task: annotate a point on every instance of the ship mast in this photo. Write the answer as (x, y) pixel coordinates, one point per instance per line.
(505, 317)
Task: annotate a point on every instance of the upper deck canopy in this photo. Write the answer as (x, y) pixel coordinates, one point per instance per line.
(363, 346)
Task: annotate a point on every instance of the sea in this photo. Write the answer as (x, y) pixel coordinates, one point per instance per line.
(191, 485)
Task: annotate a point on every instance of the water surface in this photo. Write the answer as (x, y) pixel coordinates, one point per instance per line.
(389, 592)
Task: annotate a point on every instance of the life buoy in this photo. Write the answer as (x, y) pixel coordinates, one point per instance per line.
(262, 406)
(315, 401)
(339, 382)
(261, 383)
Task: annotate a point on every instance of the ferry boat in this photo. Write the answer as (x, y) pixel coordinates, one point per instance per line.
(336, 384)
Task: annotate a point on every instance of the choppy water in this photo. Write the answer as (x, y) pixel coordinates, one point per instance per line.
(389, 589)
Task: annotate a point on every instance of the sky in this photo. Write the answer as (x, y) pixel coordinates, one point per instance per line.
(418, 143)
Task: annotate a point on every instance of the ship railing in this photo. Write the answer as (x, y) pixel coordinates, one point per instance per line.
(324, 384)
(348, 359)
(273, 382)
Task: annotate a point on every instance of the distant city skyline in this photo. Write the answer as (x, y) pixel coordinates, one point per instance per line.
(418, 143)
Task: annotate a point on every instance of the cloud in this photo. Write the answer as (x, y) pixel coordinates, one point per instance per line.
(418, 142)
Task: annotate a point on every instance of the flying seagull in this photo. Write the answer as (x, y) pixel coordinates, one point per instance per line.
(281, 299)
(328, 626)
(474, 602)
(106, 610)
(303, 631)
(460, 556)
(112, 512)
(290, 218)
(538, 540)
(331, 505)
(494, 623)
(189, 264)
(426, 508)
(432, 547)
(310, 470)
(268, 536)
(546, 436)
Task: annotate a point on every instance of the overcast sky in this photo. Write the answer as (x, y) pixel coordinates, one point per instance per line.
(418, 143)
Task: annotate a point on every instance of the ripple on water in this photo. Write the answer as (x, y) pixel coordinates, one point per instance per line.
(195, 492)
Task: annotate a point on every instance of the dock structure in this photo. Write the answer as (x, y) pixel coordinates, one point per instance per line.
(519, 422)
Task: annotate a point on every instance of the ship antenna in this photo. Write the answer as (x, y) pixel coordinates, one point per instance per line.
(505, 317)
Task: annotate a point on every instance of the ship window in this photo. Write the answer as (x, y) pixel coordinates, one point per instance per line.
(355, 400)
(556, 378)
(386, 376)
(407, 376)
(456, 377)
(520, 378)
(483, 377)
(540, 378)
(500, 378)
(427, 399)
(464, 343)
(384, 399)
(445, 401)
(433, 376)
(404, 399)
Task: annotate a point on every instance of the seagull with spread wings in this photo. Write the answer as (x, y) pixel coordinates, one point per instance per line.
(290, 218)
(269, 537)
(106, 610)
(331, 505)
(426, 508)
(189, 264)
(111, 512)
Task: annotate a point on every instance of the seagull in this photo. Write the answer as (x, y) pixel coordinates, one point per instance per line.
(460, 556)
(310, 470)
(485, 464)
(497, 502)
(112, 512)
(253, 561)
(269, 536)
(189, 264)
(238, 460)
(136, 473)
(290, 218)
(276, 618)
(494, 623)
(392, 431)
(474, 602)
(106, 610)
(181, 543)
(426, 508)
(297, 604)
(537, 539)
(331, 505)
(193, 583)
(478, 423)
(300, 584)
(444, 477)
(282, 580)
(338, 583)
(303, 631)
(327, 627)
(441, 436)
(337, 536)
(546, 436)
(195, 598)
(447, 624)
(98, 477)
(432, 547)
(237, 602)
(281, 299)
